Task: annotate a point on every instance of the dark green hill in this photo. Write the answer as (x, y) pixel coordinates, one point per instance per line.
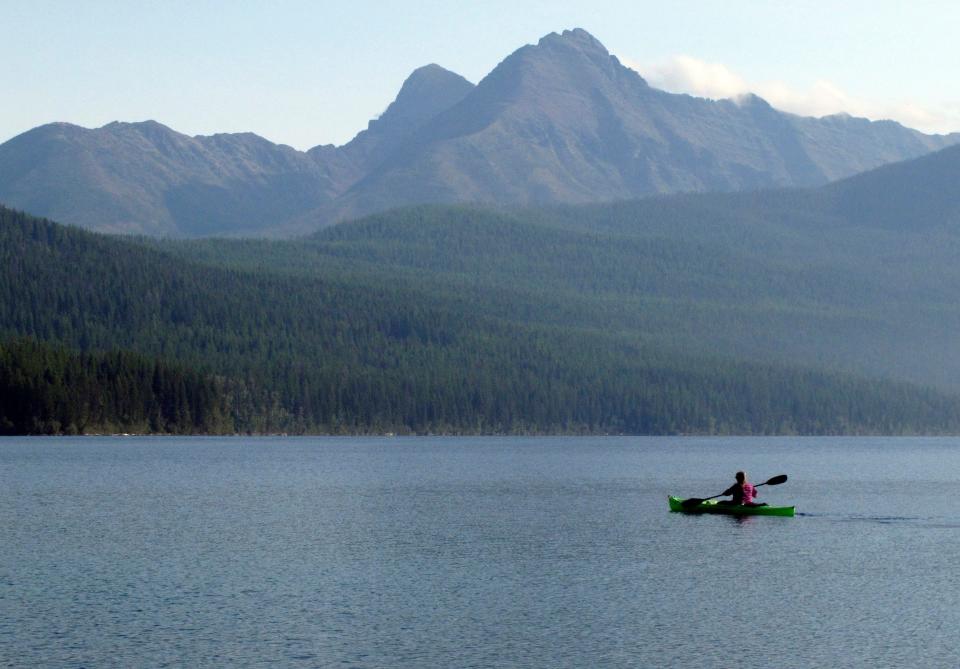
(345, 341)
(782, 277)
(858, 275)
(921, 195)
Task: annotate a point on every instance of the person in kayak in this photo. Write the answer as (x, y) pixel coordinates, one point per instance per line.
(743, 492)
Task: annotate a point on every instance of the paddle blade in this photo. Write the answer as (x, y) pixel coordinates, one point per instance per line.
(692, 502)
(776, 480)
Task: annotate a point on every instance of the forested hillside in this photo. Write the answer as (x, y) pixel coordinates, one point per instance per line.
(783, 277)
(342, 344)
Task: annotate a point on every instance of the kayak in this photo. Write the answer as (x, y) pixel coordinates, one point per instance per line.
(711, 506)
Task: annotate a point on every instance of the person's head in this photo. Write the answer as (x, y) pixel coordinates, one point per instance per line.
(741, 477)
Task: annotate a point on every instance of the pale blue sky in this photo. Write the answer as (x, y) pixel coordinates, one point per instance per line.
(306, 73)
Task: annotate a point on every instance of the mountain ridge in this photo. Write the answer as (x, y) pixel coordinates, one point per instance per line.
(606, 135)
(560, 121)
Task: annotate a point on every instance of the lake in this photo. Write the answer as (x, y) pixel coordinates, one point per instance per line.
(475, 552)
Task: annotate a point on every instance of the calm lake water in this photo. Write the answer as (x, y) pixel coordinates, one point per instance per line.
(474, 552)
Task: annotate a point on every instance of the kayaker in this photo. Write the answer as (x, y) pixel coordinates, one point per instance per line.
(743, 492)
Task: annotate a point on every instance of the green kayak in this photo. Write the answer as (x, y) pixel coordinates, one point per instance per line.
(711, 506)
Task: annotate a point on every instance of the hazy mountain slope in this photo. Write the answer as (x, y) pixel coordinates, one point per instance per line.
(921, 195)
(749, 283)
(875, 253)
(146, 178)
(157, 181)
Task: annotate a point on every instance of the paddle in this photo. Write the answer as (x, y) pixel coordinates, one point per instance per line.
(695, 501)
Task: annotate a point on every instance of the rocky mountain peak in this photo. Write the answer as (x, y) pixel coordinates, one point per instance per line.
(573, 59)
(427, 91)
(577, 38)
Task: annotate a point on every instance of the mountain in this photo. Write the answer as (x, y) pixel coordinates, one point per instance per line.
(564, 121)
(146, 178)
(561, 121)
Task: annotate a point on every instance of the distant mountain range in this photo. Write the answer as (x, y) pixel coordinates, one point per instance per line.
(561, 121)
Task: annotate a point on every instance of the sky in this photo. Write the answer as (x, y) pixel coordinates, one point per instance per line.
(310, 72)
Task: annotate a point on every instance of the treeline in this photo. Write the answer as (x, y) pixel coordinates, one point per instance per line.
(348, 348)
(48, 389)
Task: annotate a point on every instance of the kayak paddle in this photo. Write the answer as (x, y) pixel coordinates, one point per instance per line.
(696, 501)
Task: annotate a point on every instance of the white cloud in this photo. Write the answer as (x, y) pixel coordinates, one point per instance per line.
(687, 74)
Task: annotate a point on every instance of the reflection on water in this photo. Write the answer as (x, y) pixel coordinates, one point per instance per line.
(916, 521)
(473, 552)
